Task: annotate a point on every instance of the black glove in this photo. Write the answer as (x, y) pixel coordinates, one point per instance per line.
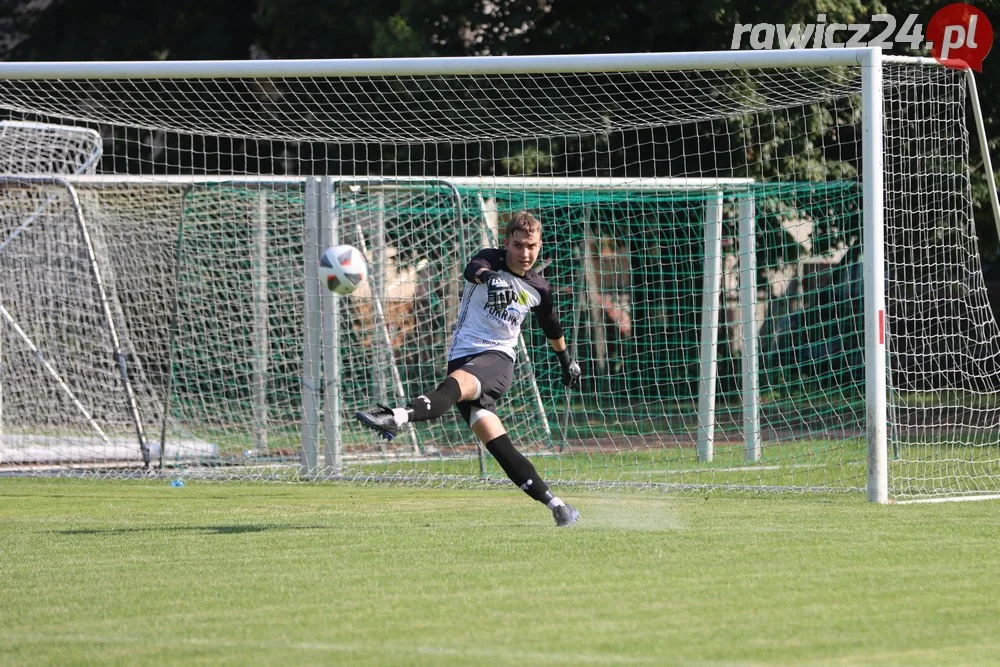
(500, 293)
(570, 370)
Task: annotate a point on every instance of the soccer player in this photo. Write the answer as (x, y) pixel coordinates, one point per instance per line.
(500, 291)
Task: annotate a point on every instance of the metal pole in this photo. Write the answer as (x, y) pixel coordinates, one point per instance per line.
(312, 343)
(748, 321)
(874, 277)
(260, 319)
(984, 147)
(711, 291)
(333, 433)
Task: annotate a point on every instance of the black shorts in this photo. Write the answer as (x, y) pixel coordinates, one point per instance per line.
(494, 370)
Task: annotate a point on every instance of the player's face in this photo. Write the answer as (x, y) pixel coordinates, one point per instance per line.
(522, 251)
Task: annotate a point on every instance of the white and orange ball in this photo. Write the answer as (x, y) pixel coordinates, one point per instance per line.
(342, 268)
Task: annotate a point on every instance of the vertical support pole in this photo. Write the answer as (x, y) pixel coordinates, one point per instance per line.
(984, 146)
(874, 276)
(593, 293)
(526, 362)
(379, 277)
(329, 235)
(260, 333)
(711, 291)
(748, 320)
(312, 342)
(486, 239)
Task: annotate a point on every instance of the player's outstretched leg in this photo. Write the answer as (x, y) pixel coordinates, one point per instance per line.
(387, 421)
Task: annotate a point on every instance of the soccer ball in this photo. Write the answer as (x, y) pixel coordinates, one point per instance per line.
(342, 268)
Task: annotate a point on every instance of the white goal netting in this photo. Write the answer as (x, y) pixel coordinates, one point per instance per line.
(703, 232)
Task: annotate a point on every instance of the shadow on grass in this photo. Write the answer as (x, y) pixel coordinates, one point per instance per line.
(210, 530)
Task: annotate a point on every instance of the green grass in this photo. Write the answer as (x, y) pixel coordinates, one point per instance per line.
(832, 464)
(127, 573)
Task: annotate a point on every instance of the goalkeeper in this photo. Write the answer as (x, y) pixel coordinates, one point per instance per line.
(500, 291)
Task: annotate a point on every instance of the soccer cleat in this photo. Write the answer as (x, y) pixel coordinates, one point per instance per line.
(381, 420)
(565, 515)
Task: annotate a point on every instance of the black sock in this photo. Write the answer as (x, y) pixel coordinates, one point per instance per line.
(435, 403)
(518, 468)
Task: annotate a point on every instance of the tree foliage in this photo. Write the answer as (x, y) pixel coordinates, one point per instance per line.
(38, 30)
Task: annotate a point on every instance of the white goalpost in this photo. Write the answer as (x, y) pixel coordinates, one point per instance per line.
(765, 261)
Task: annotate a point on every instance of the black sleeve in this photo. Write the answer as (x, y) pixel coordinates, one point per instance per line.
(487, 258)
(545, 315)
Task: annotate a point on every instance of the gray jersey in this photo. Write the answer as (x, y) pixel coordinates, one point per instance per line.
(481, 328)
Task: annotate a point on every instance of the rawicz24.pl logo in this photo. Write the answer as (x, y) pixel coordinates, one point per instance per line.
(958, 35)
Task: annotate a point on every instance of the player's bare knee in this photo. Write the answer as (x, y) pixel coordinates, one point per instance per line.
(485, 424)
(468, 384)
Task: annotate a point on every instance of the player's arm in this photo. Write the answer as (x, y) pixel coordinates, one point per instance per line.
(477, 267)
(558, 344)
(546, 317)
(480, 271)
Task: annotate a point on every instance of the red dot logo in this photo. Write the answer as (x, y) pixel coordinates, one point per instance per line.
(960, 36)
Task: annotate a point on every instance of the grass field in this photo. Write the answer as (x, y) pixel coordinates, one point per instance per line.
(139, 572)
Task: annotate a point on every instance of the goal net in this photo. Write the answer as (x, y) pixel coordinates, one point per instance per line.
(716, 236)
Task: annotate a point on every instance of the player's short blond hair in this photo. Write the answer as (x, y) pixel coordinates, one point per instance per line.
(523, 222)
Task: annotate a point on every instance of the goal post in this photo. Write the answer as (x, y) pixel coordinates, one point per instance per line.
(874, 271)
(765, 262)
